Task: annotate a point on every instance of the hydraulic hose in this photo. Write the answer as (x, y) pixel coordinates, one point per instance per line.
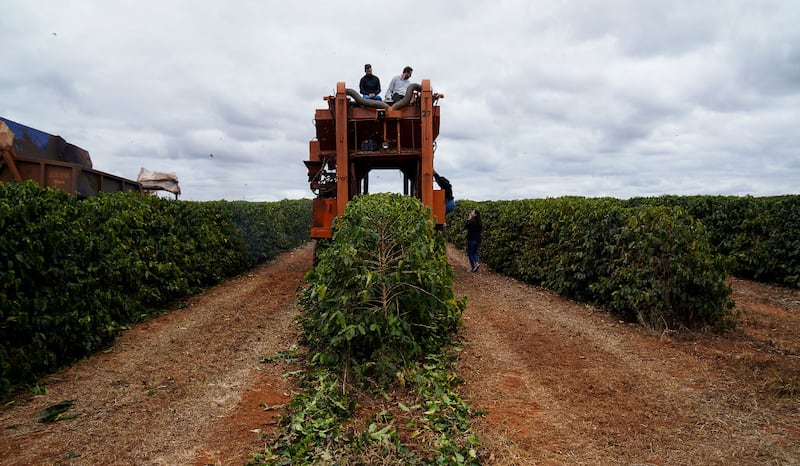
(413, 87)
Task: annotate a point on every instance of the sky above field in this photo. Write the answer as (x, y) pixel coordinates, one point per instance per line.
(543, 98)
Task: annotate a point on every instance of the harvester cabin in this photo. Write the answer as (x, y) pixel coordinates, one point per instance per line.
(355, 136)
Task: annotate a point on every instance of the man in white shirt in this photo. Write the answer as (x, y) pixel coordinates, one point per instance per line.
(399, 85)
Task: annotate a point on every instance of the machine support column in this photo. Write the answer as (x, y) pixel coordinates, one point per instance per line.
(342, 162)
(426, 121)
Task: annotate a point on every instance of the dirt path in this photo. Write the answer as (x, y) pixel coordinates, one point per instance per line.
(183, 388)
(566, 384)
(562, 383)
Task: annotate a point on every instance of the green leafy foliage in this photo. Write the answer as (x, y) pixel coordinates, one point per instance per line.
(269, 228)
(326, 425)
(57, 412)
(382, 291)
(314, 428)
(445, 415)
(666, 274)
(74, 273)
(648, 263)
(759, 235)
(40, 247)
(380, 314)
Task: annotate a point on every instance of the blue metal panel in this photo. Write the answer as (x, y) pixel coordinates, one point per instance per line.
(31, 142)
(22, 132)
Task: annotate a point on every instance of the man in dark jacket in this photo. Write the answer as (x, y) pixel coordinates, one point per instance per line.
(449, 200)
(370, 85)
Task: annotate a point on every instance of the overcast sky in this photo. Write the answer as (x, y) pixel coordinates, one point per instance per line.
(543, 98)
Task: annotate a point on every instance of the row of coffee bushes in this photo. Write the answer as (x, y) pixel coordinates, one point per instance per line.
(73, 273)
(652, 264)
(380, 318)
(269, 228)
(761, 235)
(382, 291)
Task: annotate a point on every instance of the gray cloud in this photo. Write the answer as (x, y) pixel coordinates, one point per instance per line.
(596, 98)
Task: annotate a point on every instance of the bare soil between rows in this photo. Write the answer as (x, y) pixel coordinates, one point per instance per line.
(560, 382)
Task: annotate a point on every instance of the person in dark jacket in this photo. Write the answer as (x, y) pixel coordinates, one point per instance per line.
(370, 85)
(474, 229)
(449, 200)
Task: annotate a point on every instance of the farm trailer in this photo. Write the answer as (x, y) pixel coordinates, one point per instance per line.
(52, 162)
(356, 135)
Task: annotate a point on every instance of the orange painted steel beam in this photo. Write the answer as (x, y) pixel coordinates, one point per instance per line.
(426, 151)
(409, 134)
(342, 159)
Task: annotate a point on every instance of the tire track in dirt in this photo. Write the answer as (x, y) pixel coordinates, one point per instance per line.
(169, 390)
(566, 384)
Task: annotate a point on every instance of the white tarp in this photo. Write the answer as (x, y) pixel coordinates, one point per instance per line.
(159, 181)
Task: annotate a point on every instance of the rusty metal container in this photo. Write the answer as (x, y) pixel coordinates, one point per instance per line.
(52, 162)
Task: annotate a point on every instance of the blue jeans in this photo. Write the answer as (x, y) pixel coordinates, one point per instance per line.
(366, 96)
(449, 206)
(472, 252)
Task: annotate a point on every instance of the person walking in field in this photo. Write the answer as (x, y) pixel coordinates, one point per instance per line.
(474, 229)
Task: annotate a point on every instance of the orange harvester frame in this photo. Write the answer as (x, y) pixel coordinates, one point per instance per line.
(354, 136)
